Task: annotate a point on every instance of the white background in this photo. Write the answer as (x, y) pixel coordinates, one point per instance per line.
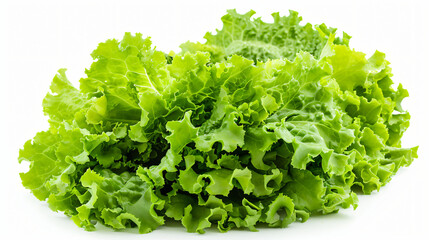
(39, 37)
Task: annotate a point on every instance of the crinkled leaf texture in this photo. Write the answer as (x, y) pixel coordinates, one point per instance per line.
(220, 140)
(260, 41)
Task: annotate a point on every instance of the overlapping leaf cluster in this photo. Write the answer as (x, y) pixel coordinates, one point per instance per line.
(265, 123)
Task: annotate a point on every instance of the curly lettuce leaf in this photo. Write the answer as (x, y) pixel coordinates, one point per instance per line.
(260, 41)
(266, 123)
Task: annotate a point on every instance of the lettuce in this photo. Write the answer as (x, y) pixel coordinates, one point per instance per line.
(264, 123)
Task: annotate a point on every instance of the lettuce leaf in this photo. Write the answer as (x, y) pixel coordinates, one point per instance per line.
(259, 41)
(265, 123)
